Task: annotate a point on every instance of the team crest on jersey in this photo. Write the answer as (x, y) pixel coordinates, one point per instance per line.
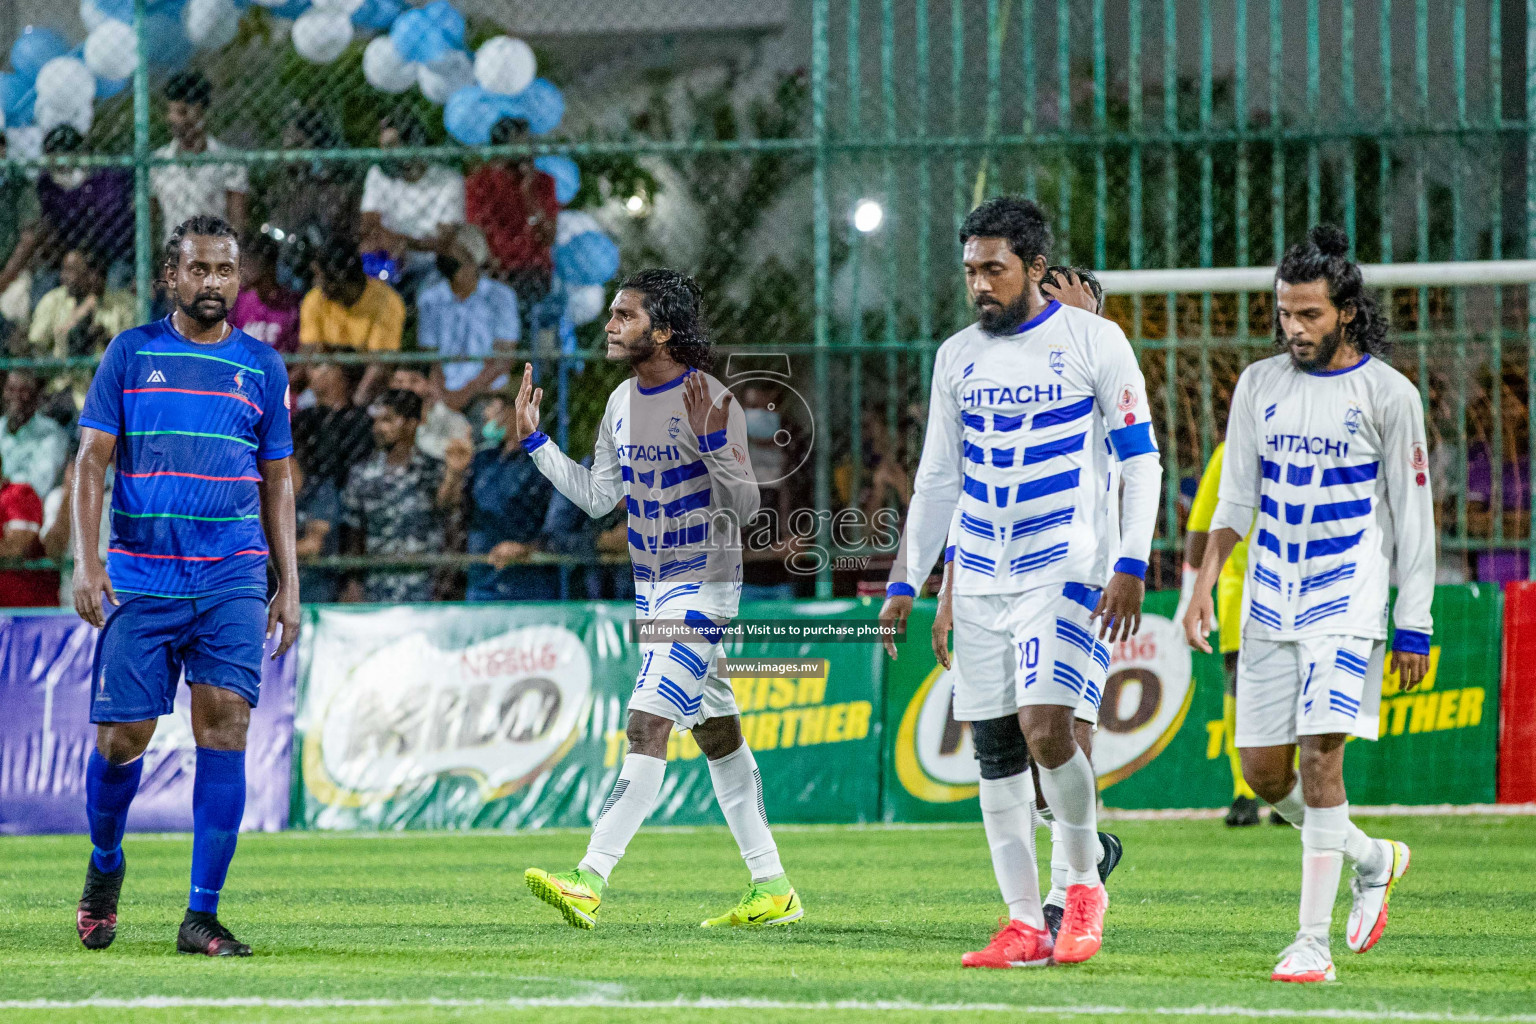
(1352, 418)
(1127, 398)
(156, 377)
(674, 427)
(1058, 359)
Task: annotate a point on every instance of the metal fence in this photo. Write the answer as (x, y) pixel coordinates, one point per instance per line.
(1159, 133)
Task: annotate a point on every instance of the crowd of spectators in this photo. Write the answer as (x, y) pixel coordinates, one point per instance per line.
(343, 264)
(340, 262)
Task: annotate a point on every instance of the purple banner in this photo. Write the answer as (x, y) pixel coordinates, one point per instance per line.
(46, 736)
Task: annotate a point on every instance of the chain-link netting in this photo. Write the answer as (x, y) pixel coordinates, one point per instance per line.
(429, 195)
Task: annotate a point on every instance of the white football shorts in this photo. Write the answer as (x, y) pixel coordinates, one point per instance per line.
(1310, 687)
(1032, 647)
(678, 678)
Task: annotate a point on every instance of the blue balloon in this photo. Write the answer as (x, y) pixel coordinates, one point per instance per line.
(417, 37)
(166, 45)
(16, 99)
(122, 10)
(34, 48)
(541, 104)
(106, 88)
(566, 174)
(470, 114)
(589, 258)
(448, 21)
(292, 9)
(377, 15)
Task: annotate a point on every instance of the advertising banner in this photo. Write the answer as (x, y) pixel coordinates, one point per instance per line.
(1517, 697)
(512, 716)
(46, 737)
(1161, 739)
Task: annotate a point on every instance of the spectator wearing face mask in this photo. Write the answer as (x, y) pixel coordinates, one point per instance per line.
(506, 504)
(470, 314)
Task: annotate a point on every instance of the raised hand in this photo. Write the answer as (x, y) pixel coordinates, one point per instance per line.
(703, 415)
(525, 420)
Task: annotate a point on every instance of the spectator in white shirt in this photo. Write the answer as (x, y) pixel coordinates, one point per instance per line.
(187, 190)
(409, 206)
(467, 313)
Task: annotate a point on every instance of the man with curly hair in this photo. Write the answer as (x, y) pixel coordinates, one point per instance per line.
(1325, 446)
(673, 446)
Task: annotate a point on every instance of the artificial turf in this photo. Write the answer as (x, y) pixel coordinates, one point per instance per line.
(440, 926)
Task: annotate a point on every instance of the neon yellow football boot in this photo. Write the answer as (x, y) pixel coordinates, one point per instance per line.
(764, 903)
(576, 894)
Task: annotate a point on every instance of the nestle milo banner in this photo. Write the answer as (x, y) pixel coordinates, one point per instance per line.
(1161, 738)
(461, 716)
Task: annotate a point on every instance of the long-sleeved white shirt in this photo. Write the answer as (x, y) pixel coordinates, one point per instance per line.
(1016, 427)
(687, 496)
(1336, 466)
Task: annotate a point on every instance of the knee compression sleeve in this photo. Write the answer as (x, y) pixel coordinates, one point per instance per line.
(1000, 747)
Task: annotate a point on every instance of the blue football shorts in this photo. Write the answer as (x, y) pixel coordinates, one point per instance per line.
(148, 641)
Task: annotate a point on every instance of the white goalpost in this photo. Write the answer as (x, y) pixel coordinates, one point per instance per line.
(1185, 280)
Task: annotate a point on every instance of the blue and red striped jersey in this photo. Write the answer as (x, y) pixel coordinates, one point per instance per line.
(191, 421)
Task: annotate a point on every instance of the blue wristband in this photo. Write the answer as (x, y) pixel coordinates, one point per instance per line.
(712, 442)
(532, 442)
(1410, 641)
(899, 590)
(1132, 567)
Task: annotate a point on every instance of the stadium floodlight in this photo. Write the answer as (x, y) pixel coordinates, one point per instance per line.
(868, 215)
(1192, 280)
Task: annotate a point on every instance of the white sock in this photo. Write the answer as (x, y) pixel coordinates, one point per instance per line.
(1293, 808)
(1323, 836)
(630, 803)
(1370, 856)
(1039, 817)
(1057, 897)
(1071, 792)
(1006, 812)
(739, 791)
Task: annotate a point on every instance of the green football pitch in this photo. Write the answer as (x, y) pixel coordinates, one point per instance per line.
(425, 926)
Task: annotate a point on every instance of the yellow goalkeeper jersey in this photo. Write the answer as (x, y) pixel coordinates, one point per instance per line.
(1229, 586)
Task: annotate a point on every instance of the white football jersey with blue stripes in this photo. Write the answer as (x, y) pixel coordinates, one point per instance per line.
(687, 496)
(1336, 466)
(1016, 448)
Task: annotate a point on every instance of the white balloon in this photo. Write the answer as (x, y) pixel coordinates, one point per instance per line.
(504, 65)
(445, 76)
(586, 303)
(321, 36)
(112, 50)
(210, 24)
(65, 82)
(271, 3)
(384, 69)
(347, 7)
(74, 111)
(572, 223)
(24, 143)
(90, 16)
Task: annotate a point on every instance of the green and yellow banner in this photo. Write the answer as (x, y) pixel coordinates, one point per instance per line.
(512, 716)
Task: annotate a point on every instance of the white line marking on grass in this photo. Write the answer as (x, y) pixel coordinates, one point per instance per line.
(857, 1005)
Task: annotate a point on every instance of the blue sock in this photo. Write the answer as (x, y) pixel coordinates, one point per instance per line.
(218, 804)
(109, 789)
